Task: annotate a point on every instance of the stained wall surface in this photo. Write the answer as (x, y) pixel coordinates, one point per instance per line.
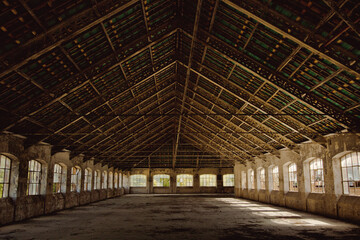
(333, 202)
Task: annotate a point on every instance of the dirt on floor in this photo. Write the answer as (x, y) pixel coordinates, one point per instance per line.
(180, 217)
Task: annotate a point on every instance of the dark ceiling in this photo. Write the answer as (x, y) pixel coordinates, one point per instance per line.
(181, 83)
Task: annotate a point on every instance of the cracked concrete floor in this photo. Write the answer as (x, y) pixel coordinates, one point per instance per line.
(180, 217)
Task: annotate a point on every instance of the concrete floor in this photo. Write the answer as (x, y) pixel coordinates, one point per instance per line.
(180, 217)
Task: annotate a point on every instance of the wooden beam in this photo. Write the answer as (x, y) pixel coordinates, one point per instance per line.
(289, 36)
(196, 25)
(68, 37)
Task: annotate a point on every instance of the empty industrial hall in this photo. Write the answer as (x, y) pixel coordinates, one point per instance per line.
(180, 119)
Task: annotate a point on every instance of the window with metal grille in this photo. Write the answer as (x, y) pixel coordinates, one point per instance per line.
(111, 180)
(350, 172)
(138, 180)
(251, 179)
(293, 184)
(120, 180)
(116, 180)
(97, 180)
(87, 179)
(161, 180)
(59, 182)
(184, 180)
(104, 180)
(75, 179)
(261, 178)
(275, 178)
(228, 180)
(317, 176)
(34, 178)
(5, 168)
(208, 180)
(243, 180)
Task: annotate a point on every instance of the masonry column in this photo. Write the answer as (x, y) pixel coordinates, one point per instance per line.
(150, 182)
(173, 181)
(219, 183)
(196, 183)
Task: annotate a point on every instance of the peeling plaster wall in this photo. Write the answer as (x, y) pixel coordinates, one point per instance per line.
(332, 203)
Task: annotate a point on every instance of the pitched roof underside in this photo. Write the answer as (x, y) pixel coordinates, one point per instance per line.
(182, 83)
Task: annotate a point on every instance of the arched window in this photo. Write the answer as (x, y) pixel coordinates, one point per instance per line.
(75, 179)
(111, 180)
(59, 182)
(34, 178)
(184, 180)
(317, 176)
(104, 180)
(116, 181)
(5, 167)
(97, 180)
(228, 180)
(120, 180)
(350, 172)
(261, 182)
(275, 178)
(87, 179)
(208, 180)
(243, 180)
(161, 180)
(138, 180)
(251, 179)
(293, 184)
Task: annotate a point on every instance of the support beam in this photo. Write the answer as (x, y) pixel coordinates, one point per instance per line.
(345, 18)
(303, 126)
(345, 120)
(68, 37)
(289, 36)
(196, 24)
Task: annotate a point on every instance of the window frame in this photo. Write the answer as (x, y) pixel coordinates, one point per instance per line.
(139, 180)
(316, 167)
(189, 178)
(354, 164)
(60, 185)
(110, 180)
(116, 180)
(243, 180)
(275, 175)
(208, 180)
(75, 179)
(228, 177)
(251, 179)
(7, 173)
(31, 190)
(104, 180)
(292, 174)
(120, 179)
(97, 180)
(87, 179)
(261, 182)
(161, 179)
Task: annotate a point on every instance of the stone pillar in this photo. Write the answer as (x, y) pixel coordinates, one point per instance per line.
(68, 179)
(23, 175)
(150, 182)
(196, 183)
(173, 182)
(237, 179)
(219, 183)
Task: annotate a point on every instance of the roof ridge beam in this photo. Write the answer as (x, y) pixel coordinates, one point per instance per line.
(193, 40)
